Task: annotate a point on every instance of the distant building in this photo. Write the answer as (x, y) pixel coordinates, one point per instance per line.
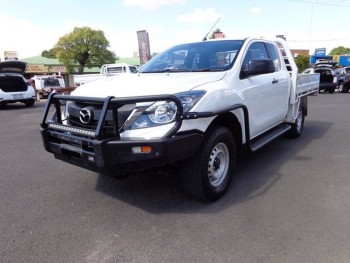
(219, 34)
(300, 52)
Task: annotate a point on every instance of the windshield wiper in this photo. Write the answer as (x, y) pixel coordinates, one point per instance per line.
(183, 70)
(207, 69)
(167, 70)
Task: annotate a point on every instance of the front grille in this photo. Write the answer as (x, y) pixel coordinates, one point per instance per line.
(74, 110)
(13, 84)
(108, 126)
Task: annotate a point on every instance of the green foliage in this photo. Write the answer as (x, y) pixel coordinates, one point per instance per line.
(85, 47)
(302, 63)
(340, 51)
(49, 53)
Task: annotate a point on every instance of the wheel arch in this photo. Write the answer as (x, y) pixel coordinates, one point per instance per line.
(230, 121)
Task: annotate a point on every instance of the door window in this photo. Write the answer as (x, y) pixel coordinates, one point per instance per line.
(257, 50)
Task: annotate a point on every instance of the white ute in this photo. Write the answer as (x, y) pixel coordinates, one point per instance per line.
(194, 105)
(45, 84)
(105, 71)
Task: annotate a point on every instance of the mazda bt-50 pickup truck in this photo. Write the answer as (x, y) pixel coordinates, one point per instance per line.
(195, 105)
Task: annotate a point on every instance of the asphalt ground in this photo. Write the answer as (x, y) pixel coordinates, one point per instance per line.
(289, 202)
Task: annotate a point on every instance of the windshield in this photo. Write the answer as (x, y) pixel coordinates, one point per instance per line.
(195, 57)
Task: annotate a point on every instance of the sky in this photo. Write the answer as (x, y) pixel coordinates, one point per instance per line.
(29, 27)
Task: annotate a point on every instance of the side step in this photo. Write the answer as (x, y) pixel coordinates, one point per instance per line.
(267, 137)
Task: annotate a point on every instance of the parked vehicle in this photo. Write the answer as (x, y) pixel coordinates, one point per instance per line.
(343, 75)
(106, 70)
(13, 86)
(195, 106)
(328, 77)
(45, 84)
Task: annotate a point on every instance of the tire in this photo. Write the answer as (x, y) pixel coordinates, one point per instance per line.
(208, 174)
(298, 125)
(29, 103)
(331, 90)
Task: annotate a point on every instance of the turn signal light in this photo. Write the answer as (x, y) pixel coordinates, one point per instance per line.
(142, 149)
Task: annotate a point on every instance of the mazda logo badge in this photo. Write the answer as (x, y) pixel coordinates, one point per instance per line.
(86, 116)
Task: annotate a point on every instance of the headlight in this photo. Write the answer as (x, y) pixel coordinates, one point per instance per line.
(157, 114)
(164, 112)
(190, 98)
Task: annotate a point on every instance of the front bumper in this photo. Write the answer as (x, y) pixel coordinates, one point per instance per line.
(105, 151)
(115, 156)
(12, 97)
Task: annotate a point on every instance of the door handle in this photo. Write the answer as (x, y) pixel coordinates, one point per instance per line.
(274, 81)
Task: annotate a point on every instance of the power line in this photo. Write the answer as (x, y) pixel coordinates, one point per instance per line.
(320, 40)
(344, 3)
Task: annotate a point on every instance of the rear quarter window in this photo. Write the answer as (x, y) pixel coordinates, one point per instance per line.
(273, 53)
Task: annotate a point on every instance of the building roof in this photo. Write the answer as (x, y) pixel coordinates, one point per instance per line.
(39, 60)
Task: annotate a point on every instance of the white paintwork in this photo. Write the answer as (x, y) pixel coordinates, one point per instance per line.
(132, 85)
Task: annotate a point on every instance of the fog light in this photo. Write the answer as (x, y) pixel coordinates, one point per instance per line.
(141, 149)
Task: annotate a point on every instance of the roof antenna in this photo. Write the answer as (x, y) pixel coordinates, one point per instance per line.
(205, 38)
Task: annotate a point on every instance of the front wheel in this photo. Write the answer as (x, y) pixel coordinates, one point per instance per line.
(208, 174)
(298, 125)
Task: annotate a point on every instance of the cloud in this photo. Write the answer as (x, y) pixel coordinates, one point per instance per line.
(29, 40)
(152, 4)
(255, 10)
(199, 16)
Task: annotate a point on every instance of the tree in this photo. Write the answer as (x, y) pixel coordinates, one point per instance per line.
(84, 46)
(302, 63)
(340, 51)
(49, 53)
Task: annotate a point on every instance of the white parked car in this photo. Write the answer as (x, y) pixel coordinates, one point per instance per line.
(13, 86)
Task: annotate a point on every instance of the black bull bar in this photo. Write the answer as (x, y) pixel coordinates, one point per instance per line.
(108, 104)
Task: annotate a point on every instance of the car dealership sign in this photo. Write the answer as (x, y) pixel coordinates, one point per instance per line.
(10, 55)
(320, 52)
(39, 68)
(144, 47)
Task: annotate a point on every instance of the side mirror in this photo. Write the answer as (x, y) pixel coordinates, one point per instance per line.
(258, 67)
